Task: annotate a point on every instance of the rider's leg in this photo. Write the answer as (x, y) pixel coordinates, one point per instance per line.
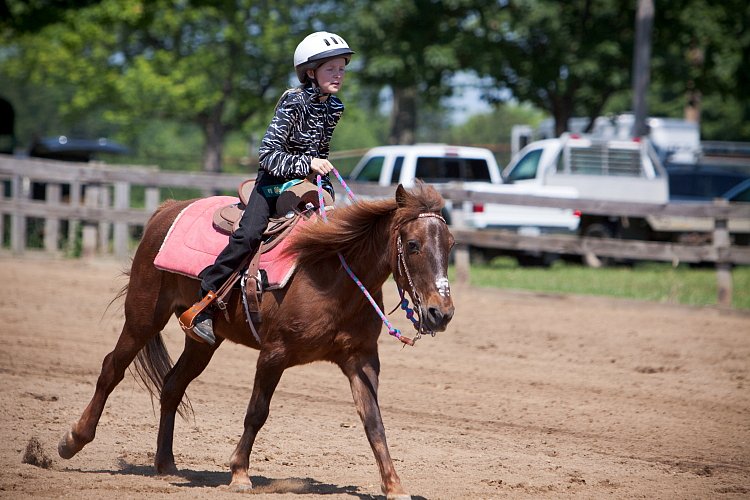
(242, 243)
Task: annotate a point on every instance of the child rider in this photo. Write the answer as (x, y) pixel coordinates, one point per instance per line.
(295, 145)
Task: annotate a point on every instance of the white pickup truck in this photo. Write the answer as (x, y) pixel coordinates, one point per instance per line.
(575, 166)
(597, 169)
(478, 170)
(432, 163)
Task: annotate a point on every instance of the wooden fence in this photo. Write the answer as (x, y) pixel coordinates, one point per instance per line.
(100, 200)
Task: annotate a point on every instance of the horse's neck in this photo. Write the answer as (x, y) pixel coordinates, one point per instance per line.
(371, 265)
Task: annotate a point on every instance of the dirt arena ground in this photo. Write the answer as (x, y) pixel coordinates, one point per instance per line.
(525, 396)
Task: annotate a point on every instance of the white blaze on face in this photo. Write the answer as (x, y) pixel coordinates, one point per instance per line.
(443, 287)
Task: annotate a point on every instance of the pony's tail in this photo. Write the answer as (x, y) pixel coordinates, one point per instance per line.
(152, 363)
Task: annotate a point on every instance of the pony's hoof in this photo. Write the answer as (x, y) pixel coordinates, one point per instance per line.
(241, 487)
(66, 448)
(400, 496)
(166, 470)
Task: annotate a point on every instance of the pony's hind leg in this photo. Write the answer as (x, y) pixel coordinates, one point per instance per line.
(193, 360)
(113, 371)
(146, 314)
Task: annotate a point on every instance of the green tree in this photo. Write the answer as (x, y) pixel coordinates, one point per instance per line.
(410, 47)
(575, 59)
(494, 127)
(701, 65)
(18, 16)
(216, 64)
(567, 58)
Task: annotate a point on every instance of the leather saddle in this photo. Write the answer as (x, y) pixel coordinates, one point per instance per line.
(294, 202)
(291, 203)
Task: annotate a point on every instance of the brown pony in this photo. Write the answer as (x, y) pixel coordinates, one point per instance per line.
(320, 315)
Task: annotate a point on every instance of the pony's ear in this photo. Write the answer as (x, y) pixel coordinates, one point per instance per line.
(401, 195)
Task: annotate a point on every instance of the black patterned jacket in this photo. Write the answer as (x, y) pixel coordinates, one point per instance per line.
(300, 130)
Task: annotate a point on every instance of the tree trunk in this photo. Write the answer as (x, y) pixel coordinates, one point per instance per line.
(213, 150)
(562, 112)
(403, 116)
(644, 23)
(213, 131)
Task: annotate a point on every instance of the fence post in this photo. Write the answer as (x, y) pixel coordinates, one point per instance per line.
(3, 182)
(461, 258)
(75, 201)
(105, 201)
(18, 219)
(721, 244)
(120, 233)
(152, 199)
(52, 196)
(91, 199)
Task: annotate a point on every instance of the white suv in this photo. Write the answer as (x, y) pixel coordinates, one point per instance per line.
(432, 163)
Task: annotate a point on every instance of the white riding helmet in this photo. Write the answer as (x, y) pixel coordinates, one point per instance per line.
(316, 49)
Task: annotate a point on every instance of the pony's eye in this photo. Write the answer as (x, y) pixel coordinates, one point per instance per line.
(413, 246)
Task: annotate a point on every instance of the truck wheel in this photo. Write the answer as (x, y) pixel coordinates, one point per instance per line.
(482, 256)
(597, 230)
(543, 260)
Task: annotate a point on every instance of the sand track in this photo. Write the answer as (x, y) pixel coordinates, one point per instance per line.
(525, 396)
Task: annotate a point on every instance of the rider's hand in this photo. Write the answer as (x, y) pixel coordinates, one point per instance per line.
(320, 166)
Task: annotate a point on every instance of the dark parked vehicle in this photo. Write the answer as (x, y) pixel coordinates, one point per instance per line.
(67, 149)
(79, 150)
(702, 182)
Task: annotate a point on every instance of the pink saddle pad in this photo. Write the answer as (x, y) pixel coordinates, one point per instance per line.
(192, 244)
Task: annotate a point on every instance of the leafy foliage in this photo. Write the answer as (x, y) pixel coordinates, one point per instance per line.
(564, 57)
(215, 64)
(410, 46)
(179, 78)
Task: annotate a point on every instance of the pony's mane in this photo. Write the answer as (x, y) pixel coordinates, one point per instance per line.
(363, 227)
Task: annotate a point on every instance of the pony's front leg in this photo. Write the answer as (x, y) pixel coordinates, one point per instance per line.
(363, 375)
(267, 375)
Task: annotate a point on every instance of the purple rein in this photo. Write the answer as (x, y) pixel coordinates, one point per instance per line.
(395, 332)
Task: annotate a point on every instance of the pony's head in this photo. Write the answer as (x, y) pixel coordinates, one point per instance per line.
(420, 252)
(405, 237)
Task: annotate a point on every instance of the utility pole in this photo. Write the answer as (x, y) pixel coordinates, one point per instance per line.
(644, 22)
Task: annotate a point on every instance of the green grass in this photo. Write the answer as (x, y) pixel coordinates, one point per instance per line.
(644, 281)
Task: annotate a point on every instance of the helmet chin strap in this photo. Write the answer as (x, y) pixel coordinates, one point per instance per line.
(315, 85)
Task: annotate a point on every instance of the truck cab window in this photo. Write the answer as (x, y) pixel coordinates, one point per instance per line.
(526, 167)
(428, 169)
(371, 171)
(396, 174)
(478, 170)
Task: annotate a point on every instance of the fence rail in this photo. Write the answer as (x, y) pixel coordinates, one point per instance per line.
(100, 200)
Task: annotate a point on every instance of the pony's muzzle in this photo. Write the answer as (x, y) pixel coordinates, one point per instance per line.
(437, 318)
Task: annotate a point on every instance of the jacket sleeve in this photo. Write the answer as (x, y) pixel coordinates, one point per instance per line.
(335, 110)
(274, 154)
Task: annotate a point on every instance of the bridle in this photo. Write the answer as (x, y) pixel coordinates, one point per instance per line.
(403, 269)
(401, 266)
